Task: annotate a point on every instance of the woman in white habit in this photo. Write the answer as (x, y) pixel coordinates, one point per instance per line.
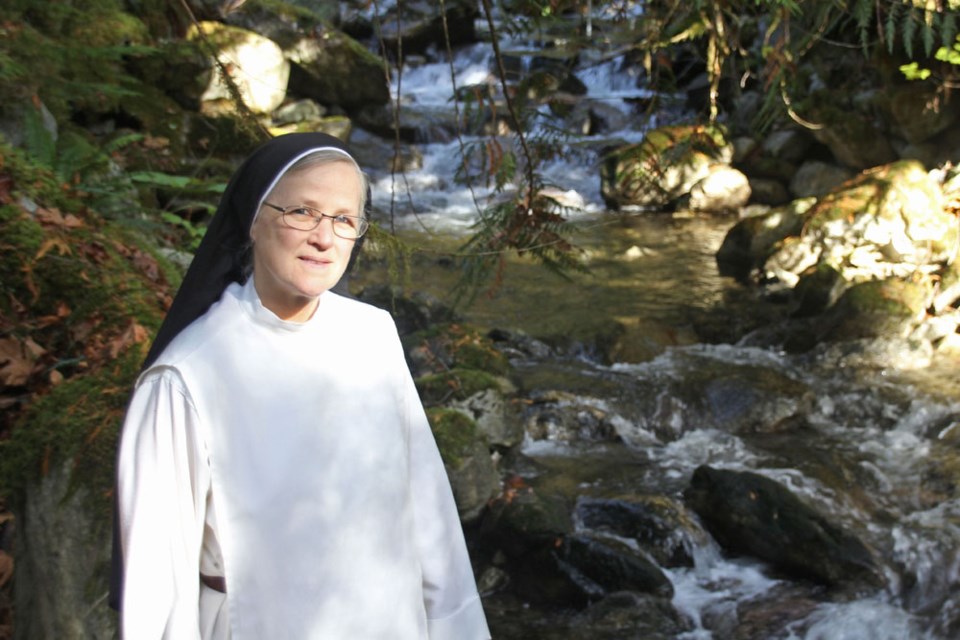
(277, 476)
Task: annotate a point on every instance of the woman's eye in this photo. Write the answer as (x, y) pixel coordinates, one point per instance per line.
(341, 219)
(300, 211)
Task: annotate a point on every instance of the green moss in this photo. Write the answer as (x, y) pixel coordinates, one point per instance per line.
(456, 384)
(88, 293)
(455, 434)
(461, 346)
(77, 420)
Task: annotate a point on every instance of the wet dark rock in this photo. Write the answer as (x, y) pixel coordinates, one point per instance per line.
(627, 615)
(421, 25)
(522, 520)
(614, 565)
(558, 416)
(581, 569)
(751, 514)
(662, 527)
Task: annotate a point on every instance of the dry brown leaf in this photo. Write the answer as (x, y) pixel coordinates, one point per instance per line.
(59, 243)
(134, 334)
(56, 377)
(72, 222)
(16, 362)
(49, 216)
(6, 568)
(147, 264)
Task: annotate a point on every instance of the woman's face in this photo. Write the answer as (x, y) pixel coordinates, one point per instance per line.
(291, 268)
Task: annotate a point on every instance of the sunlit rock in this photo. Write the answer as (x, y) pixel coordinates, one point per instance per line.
(663, 168)
(723, 189)
(255, 65)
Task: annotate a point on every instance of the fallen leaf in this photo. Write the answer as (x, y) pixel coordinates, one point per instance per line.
(72, 222)
(147, 264)
(49, 216)
(16, 362)
(134, 334)
(6, 568)
(53, 243)
(56, 377)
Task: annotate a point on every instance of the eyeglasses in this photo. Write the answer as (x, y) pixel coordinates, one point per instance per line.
(304, 218)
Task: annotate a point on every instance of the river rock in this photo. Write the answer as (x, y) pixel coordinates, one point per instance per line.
(335, 70)
(854, 139)
(876, 309)
(792, 145)
(890, 221)
(768, 191)
(919, 114)
(816, 178)
(751, 514)
(522, 520)
(466, 457)
(723, 189)
(662, 527)
(752, 240)
(421, 25)
(614, 566)
(628, 615)
(255, 64)
(707, 393)
(657, 172)
(581, 569)
(558, 416)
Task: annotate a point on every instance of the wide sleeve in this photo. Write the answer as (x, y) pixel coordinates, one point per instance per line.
(454, 610)
(163, 480)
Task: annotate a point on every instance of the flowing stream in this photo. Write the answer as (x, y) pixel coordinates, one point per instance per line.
(877, 451)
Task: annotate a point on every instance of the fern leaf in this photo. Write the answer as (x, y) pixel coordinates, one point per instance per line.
(910, 31)
(928, 38)
(890, 28)
(948, 30)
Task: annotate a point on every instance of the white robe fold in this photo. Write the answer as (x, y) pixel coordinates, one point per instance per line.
(295, 460)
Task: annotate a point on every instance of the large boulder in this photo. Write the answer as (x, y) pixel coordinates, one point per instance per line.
(255, 65)
(753, 515)
(335, 70)
(657, 172)
(753, 239)
(466, 457)
(890, 221)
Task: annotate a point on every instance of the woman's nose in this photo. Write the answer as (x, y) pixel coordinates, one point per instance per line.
(322, 235)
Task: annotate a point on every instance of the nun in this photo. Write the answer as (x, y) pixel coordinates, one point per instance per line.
(277, 477)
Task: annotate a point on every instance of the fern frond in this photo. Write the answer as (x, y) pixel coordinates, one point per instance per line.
(890, 28)
(863, 15)
(948, 29)
(928, 36)
(910, 24)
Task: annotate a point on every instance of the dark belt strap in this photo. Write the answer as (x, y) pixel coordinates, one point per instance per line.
(217, 583)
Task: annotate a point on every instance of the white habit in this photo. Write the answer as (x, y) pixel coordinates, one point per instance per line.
(333, 518)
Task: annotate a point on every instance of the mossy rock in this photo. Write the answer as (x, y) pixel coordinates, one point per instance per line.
(661, 169)
(460, 346)
(81, 296)
(455, 433)
(456, 384)
(876, 309)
